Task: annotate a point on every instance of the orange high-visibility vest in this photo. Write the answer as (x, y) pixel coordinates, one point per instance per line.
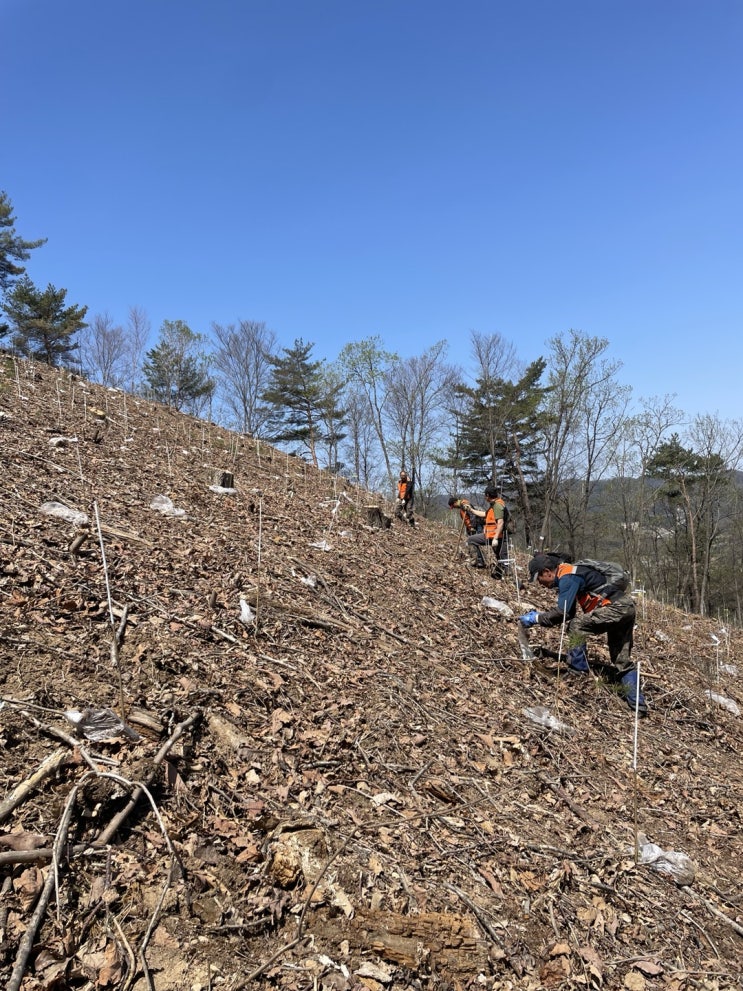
(588, 601)
(491, 523)
(468, 515)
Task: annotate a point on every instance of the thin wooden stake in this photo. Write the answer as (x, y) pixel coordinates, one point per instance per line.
(105, 566)
(559, 655)
(114, 635)
(260, 548)
(634, 764)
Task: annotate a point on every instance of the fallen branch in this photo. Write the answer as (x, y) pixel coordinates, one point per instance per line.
(563, 796)
(140, 788)
(52, 880)
(110, 531)
(4, 906)
(26, 944)
(48, 766)
(148, 934)
(104, 838)
(224, 635)
(716, 911)
(129, 954)
(116, 641)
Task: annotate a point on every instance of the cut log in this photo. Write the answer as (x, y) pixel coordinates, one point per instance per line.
(449, 943)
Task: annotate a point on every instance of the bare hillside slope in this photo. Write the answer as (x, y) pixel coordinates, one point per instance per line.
(333, 770)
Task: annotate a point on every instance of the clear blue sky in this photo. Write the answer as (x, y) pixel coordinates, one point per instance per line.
(414, 169)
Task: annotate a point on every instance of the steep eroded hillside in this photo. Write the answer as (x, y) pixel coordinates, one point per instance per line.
(342, 780)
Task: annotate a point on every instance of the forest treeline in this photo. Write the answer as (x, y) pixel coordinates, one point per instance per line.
(586, 467)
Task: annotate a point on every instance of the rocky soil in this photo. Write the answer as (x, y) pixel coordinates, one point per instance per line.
(249, 739)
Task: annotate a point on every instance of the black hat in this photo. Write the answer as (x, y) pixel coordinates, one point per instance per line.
(540, 562)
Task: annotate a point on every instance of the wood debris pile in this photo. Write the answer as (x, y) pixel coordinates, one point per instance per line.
(250, 740)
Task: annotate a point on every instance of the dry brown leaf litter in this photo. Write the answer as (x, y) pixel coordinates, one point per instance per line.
(349, 795)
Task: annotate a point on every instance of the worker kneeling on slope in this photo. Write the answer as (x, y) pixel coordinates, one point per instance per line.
(600, 589)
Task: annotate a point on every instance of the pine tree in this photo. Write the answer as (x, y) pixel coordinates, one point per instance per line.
(12, 247)
(43, 327)
(177, 370)
(304, 400)
(495, 436)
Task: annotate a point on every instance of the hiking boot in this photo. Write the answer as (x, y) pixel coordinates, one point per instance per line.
(630, 688)
(578, 659)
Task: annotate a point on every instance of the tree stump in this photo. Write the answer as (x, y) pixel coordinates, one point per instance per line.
(377, 518)
(224, 479)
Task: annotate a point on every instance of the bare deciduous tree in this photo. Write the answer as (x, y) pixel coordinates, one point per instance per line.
(418, 392)
(586, 407)
(137, 336)
(642, 435)
(369, 370)
(103, 350)
(242, 359)
(719, 443)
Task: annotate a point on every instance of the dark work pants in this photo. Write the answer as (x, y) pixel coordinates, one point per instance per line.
(477, 544)
(617, 621)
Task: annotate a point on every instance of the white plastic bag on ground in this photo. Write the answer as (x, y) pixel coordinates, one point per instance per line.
(64, 513)
(726, 703)
(100, 724)
(680, 867)
(540, 716)
(527, 654)
(165, 506)
(503, 608)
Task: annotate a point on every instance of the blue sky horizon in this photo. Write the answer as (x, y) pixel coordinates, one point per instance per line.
(403, 170)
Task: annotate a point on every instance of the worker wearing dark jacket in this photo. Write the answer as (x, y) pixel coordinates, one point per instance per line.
(604, 609)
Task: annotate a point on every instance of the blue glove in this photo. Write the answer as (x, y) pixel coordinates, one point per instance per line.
(529, 618)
